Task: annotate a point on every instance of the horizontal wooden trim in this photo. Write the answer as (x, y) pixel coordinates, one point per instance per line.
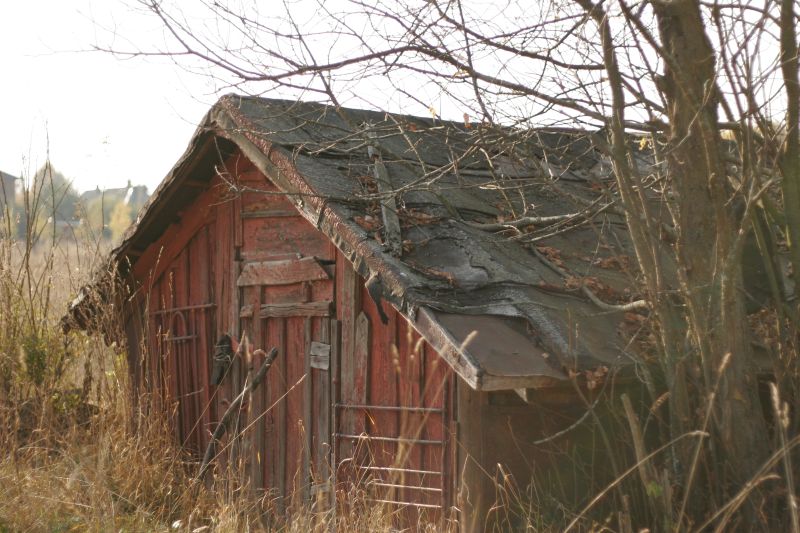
(323, 308)
(283, 272)
(184, 308)
(270, 213)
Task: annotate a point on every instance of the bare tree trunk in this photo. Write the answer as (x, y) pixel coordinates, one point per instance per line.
(790, 152)
(709, 249)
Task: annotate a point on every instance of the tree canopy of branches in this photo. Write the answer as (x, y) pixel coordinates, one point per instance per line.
(710, 87)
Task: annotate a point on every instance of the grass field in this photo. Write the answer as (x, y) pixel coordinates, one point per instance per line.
(70, 459)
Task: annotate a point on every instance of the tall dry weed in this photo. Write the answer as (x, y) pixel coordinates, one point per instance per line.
(76, 452)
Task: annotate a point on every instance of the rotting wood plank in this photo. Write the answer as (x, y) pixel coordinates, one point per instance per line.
(282, 272)
(294, 405)
(354, 382)
(322, 405)
(320, 456)
(280, 398)
(411, 423)
(382, 389)
(435, 394)
(349, 300)
(288, 310)
(391, 223)
(237, 222)
(202, 293)
(257, 404)
(333, 374)
(238, 368)
(307, 398)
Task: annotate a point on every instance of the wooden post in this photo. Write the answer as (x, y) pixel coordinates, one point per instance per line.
(475, 492)
(308, 431)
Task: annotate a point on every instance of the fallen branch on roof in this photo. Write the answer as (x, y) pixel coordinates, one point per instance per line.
(631, 306)
(234, 407)
(521, 222)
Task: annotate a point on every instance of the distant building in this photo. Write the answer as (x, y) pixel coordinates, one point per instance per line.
(8, 188)
(133, 195)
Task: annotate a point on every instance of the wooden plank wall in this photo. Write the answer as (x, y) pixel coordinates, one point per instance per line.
(287, 286)
(182, 335)
(184, 291)
(252, 266)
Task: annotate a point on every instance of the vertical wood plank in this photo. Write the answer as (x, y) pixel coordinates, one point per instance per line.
(295, 441)
(258, 429)
(354, 383)
(412, 425)
(334, 400)
(237, 221)
(280, 415)
(308, 428)
(348, 288)
(258, 404)
(381, 383)
(433, 397)
(199, 293)
(322, 408)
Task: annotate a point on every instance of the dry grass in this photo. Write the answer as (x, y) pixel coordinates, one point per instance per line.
(73, 455)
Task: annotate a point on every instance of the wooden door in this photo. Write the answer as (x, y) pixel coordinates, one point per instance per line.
(288, 304)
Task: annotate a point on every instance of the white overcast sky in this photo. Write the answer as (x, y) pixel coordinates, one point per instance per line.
(108, 120)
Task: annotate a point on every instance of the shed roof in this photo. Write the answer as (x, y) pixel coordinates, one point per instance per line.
(516, 266)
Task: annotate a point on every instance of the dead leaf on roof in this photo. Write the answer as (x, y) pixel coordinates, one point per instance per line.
(415, 217)
(368, 222)
(434, 273)
(549, 287)
(368, 183)
(615, 262)
(600, 289)
(552, 254)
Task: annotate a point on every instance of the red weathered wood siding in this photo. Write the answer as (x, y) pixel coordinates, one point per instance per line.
(378, 409)
(394, 409)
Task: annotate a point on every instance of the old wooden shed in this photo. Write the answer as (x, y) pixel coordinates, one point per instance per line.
(431, 300)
